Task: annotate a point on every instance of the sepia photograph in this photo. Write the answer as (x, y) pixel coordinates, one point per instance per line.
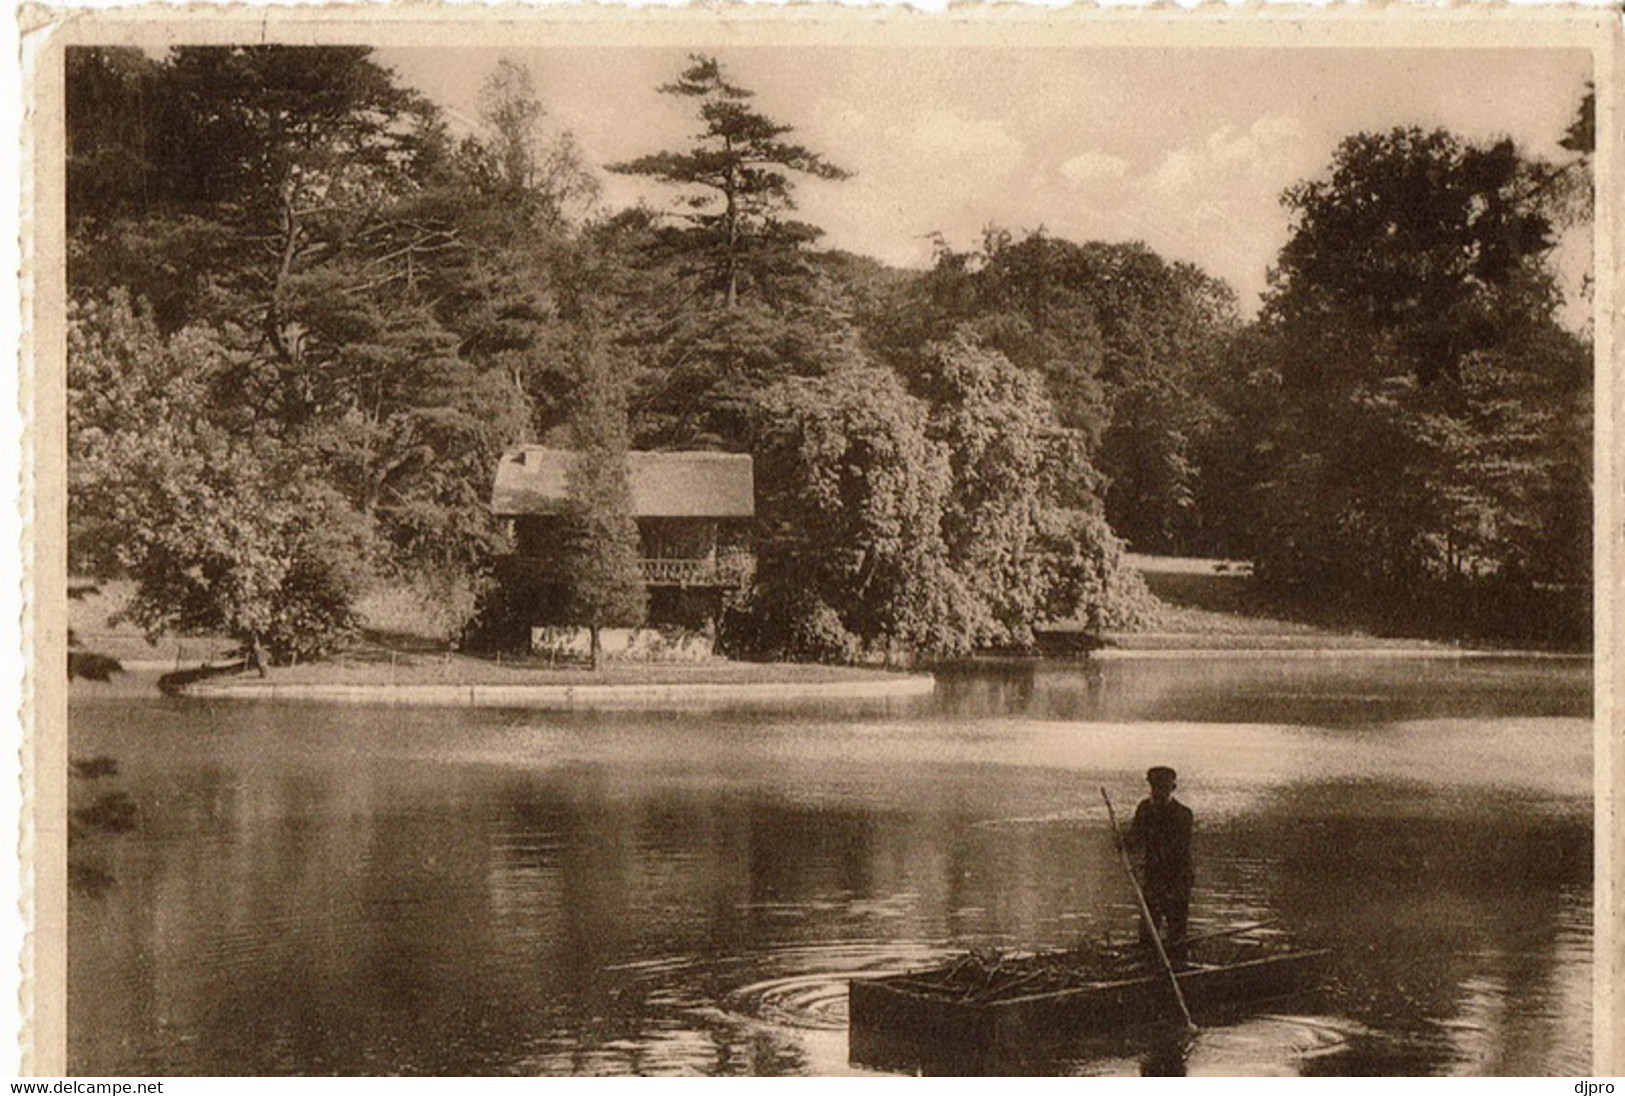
(586, 545)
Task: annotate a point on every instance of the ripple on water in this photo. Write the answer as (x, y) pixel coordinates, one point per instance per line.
(805, 1001)
(804, 989)
(1277, 1044)
(814, 993)
(1266, 1045)
(800, 987)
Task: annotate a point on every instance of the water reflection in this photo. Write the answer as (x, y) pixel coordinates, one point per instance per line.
(359, 891)
(1166, 1053)
(1303, 689)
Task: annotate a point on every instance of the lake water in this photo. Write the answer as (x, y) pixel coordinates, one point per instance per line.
(330, 889)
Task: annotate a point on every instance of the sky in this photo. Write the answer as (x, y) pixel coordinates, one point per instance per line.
(1185, 149)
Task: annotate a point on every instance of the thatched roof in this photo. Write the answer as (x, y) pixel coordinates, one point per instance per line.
(530, 479)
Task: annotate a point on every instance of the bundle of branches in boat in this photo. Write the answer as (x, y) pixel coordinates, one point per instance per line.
(983, 976)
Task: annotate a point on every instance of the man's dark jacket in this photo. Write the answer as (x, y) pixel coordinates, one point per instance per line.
(1163, 831)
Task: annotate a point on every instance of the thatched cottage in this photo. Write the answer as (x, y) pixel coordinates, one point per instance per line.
(693, 512)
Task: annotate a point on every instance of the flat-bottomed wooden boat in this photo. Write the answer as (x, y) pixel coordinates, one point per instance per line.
(1050, 998)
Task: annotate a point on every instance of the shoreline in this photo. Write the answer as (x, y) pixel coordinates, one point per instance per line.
(568, 696)
(1195, 652)
(1214, 654)
(839, 683)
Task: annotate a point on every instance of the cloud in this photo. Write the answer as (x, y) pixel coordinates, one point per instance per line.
(1089, 168)
(1211, 199)
(1230, 155)
(1276, 130)
(916, 170)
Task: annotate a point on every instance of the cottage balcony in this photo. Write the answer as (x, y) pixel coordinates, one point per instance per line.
(725, 569)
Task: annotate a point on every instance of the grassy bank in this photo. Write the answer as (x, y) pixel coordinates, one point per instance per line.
(93, 617)
(395, 655)
(1204, 598)
(370, 665)
(1210, 604)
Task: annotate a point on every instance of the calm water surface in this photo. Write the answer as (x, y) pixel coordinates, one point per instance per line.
(328, 889)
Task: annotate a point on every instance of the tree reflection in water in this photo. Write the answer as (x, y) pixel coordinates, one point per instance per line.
(334, 889)
(109, 812)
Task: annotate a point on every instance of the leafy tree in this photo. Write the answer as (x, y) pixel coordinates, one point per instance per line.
(599, 566)
(221, 533)
(850, 557)
(706, 369)
(514, 196)
(251, 552)
(515, 158)
(697, 367)
(113, 103)
(729, 301)
(287, 215)
(1428, 404)
(1021, 299)
(415, 451)
(127, 385)
(1007, 457)
(1084, 574)
(1422, 239)
(1581, 136)
(1572, 187)
(1238, 452)
(737, 183)
(929, 522)
(262, 162)
(1128, 346)
(308, 212)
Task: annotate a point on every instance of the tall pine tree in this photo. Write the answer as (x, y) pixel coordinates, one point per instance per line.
(739, 189)
(600, 569)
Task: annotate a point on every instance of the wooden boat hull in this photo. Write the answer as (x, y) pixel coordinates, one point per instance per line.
(889, 1017)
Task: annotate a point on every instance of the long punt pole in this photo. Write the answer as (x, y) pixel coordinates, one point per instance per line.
(1145, 912)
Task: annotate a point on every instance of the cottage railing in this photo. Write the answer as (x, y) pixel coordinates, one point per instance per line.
(728, 569)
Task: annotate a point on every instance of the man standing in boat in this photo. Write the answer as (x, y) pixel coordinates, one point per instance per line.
(1161, 834)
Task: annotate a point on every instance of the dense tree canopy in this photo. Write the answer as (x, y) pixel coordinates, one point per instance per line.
(1008, 460)
(726, 299)
(1432, 418)
(222, 531)
(1127, 345)
(850, 501)
(296, 212)
(303, 217)
(931, 521)
(307, 317)
(1434, 244)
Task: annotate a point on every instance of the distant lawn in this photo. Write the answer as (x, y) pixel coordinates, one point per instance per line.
(92, 605)
(1212, 597)
(1211, 603)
